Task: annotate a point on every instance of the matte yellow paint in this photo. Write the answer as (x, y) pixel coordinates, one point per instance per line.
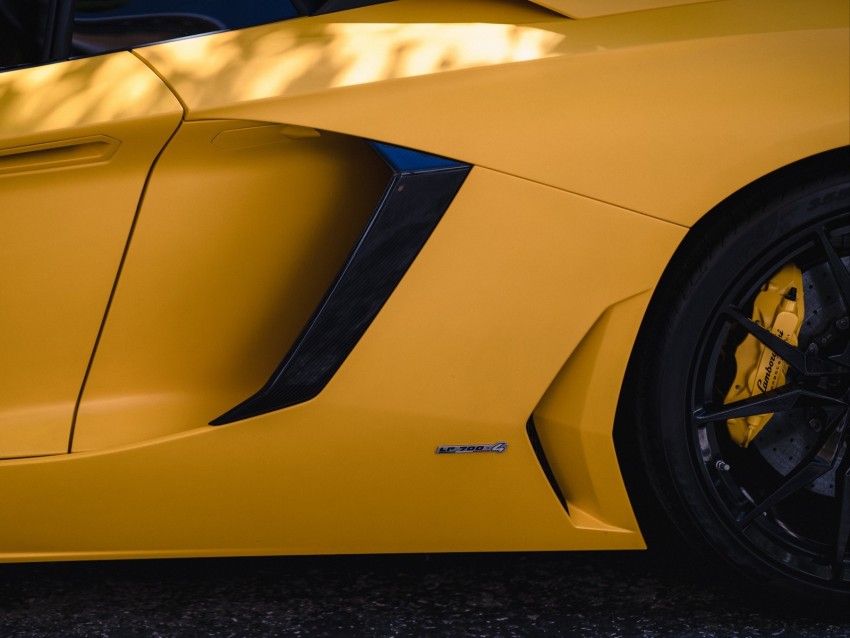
(530, 276)
(243, 228)
(64, 153)
(462, 352)
(574, 419)
(580, 9)
(76, 142)
(664, 112)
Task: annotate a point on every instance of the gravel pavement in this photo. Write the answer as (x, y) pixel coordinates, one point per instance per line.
(465, 595)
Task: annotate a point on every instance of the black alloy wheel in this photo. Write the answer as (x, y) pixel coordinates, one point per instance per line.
(779, 508)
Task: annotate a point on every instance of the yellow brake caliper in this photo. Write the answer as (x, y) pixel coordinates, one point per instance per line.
(779, 308)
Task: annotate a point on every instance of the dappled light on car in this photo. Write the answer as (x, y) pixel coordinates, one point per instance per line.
(405, 50)
(264, 62)
(78, 93)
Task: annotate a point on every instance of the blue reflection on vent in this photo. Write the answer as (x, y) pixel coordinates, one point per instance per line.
(405, 160)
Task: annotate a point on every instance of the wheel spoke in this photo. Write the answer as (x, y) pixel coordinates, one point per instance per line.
(792, 356)
(818, 463)
(839, 271)
(781, 399)
(806, 364)
(777, 493)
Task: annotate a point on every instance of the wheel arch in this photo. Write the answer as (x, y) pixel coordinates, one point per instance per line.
(723, 215)
(707, 228)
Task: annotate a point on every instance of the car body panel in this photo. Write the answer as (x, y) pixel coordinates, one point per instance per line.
(308, 477)
(662, 112)
(594, 145)
(77, 140)
(242, 230)
(581, 9)
(573, 419)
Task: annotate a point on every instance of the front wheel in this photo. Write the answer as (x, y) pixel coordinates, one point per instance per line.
(743, 388)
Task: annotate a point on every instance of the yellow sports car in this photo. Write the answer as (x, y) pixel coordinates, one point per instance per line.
(346, 276)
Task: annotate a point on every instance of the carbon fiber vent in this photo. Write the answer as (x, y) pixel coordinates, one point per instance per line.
(419, 192)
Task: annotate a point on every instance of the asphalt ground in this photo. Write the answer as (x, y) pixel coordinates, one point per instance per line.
(465, 595)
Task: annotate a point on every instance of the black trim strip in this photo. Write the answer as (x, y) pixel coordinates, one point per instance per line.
(58, 36)
(544, 463)
(409, 210)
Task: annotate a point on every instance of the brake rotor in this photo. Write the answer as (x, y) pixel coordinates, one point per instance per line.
(791, 435)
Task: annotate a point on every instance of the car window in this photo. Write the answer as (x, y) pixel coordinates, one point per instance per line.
(39, 31)
(27, 31)
(113, 25)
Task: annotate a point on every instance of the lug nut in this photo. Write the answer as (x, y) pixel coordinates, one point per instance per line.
(722, 466)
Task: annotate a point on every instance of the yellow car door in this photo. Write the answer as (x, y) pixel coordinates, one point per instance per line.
(77, 141)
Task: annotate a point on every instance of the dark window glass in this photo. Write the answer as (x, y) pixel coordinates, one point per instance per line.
(39, 31)
(20, 26)
(33, 31)
(113, 25)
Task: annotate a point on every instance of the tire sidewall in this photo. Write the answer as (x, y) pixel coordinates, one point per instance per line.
(728, 253)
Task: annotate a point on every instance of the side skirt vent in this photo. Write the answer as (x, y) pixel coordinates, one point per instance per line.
(544, 464)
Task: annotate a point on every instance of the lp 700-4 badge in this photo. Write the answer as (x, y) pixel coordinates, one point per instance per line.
(499, 447)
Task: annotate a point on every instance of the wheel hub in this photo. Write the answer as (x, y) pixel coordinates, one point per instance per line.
(783, 485)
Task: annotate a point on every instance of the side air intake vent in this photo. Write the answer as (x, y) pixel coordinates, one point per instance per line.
(420, 190)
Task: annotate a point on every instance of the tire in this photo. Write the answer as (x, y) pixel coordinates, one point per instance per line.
(778, 509)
